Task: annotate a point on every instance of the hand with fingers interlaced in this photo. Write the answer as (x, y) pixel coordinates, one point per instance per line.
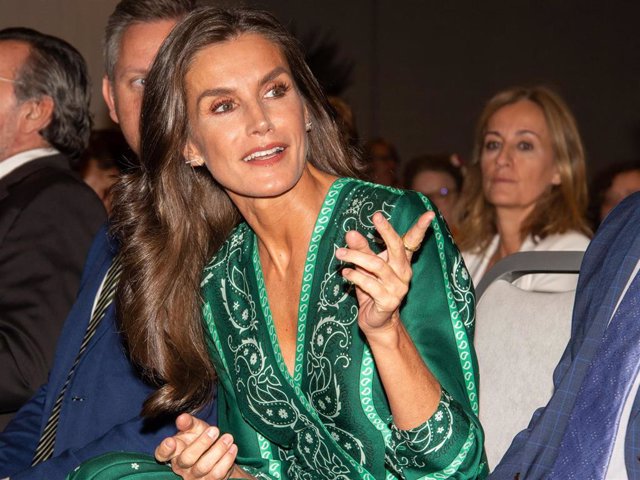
(200, 451)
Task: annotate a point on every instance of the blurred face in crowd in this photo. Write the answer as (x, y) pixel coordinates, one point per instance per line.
(383, 165)
(623, 185)
(13, 54)
(441, 189)
(247, 118)
(139, 45)
(517, 160)
(101, 180)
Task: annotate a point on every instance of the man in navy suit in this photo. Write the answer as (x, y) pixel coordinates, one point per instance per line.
(101, 403)
(559, 442)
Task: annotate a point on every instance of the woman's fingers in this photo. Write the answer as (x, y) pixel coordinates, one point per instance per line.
(202, 444)
(189, 428)
(387, 297)
(189, 424)
(356, 241)
(210, 454)
(216, 463)
(412, 239)
(393, 241)
(166, 450)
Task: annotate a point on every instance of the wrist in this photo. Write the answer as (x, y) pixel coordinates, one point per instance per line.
(389, 337)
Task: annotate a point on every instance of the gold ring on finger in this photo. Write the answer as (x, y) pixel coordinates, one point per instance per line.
(409, 248)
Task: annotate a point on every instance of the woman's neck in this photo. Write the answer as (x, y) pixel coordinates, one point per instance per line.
(509, 226)
(284, 224)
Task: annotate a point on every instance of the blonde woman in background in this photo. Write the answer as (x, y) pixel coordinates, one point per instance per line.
(526, 187)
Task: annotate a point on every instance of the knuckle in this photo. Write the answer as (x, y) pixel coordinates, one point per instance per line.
(218, 472)
(388, 304)
(199, 470)
(186, 459)
(378, 263)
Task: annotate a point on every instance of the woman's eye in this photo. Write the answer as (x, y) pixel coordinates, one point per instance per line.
(491, 145)
(525, 146)
(277, 91)
(222, 107)
(139, 82)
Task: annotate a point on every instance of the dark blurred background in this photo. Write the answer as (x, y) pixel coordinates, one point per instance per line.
(421, 70)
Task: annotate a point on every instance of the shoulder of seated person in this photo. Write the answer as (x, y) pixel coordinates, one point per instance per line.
(571, 240)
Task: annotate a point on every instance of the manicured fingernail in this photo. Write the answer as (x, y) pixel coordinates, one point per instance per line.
(227, 440)
(341, 252)
(212, 432)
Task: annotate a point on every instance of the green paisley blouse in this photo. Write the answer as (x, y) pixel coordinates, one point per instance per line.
(330, 419)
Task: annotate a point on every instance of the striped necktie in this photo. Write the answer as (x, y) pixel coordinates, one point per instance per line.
(44, 451)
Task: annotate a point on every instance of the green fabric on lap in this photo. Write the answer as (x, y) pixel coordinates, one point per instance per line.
(121, 465)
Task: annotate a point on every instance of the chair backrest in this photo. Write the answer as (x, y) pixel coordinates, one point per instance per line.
(519, 338)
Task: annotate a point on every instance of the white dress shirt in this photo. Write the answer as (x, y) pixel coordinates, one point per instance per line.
(477, 262)
(8, 165)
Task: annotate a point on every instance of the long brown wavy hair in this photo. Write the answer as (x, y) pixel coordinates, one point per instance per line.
(171, 218)
(562, 208)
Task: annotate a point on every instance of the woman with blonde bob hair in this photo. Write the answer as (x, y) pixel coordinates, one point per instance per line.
(526, 186)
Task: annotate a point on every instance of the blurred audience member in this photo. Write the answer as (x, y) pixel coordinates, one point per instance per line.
(526, 186)
(48, 216)
(610, 187)
(345, 119)
(438, 177)
(382, 160)
(100, 164)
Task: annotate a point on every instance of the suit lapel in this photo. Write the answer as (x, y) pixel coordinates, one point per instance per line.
(78, 319)
(611, 262)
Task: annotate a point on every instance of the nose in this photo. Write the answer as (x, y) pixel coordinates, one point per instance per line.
(258, 120)
(504, 157)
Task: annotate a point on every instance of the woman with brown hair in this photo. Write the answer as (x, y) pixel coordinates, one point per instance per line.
(252, 256)
(526, 186)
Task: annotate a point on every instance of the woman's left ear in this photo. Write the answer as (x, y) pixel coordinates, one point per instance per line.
(307, 122)
(192, 156)
(556, 180)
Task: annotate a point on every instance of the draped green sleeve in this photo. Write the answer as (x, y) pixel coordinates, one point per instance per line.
(439, 316)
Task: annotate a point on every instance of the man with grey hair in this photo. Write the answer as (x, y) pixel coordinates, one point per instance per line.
(48, 217)
(92, 401)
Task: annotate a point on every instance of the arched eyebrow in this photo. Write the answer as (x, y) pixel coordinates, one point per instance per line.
(215, 92)
(530, 132)
(519, 132)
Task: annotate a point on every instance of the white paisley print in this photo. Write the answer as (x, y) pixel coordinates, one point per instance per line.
(329, 419)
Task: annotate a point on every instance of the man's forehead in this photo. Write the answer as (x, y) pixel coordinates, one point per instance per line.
(139, 45)
(13, 54)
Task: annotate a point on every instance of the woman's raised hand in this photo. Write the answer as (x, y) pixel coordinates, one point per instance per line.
(200, 451)
(382, 281)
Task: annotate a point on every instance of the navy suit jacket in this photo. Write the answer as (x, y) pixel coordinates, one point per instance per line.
(100, 411)
(607, 265)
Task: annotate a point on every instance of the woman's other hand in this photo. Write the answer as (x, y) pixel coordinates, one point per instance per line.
(200, 451)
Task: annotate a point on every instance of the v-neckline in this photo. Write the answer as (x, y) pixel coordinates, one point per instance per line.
(322, 220)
